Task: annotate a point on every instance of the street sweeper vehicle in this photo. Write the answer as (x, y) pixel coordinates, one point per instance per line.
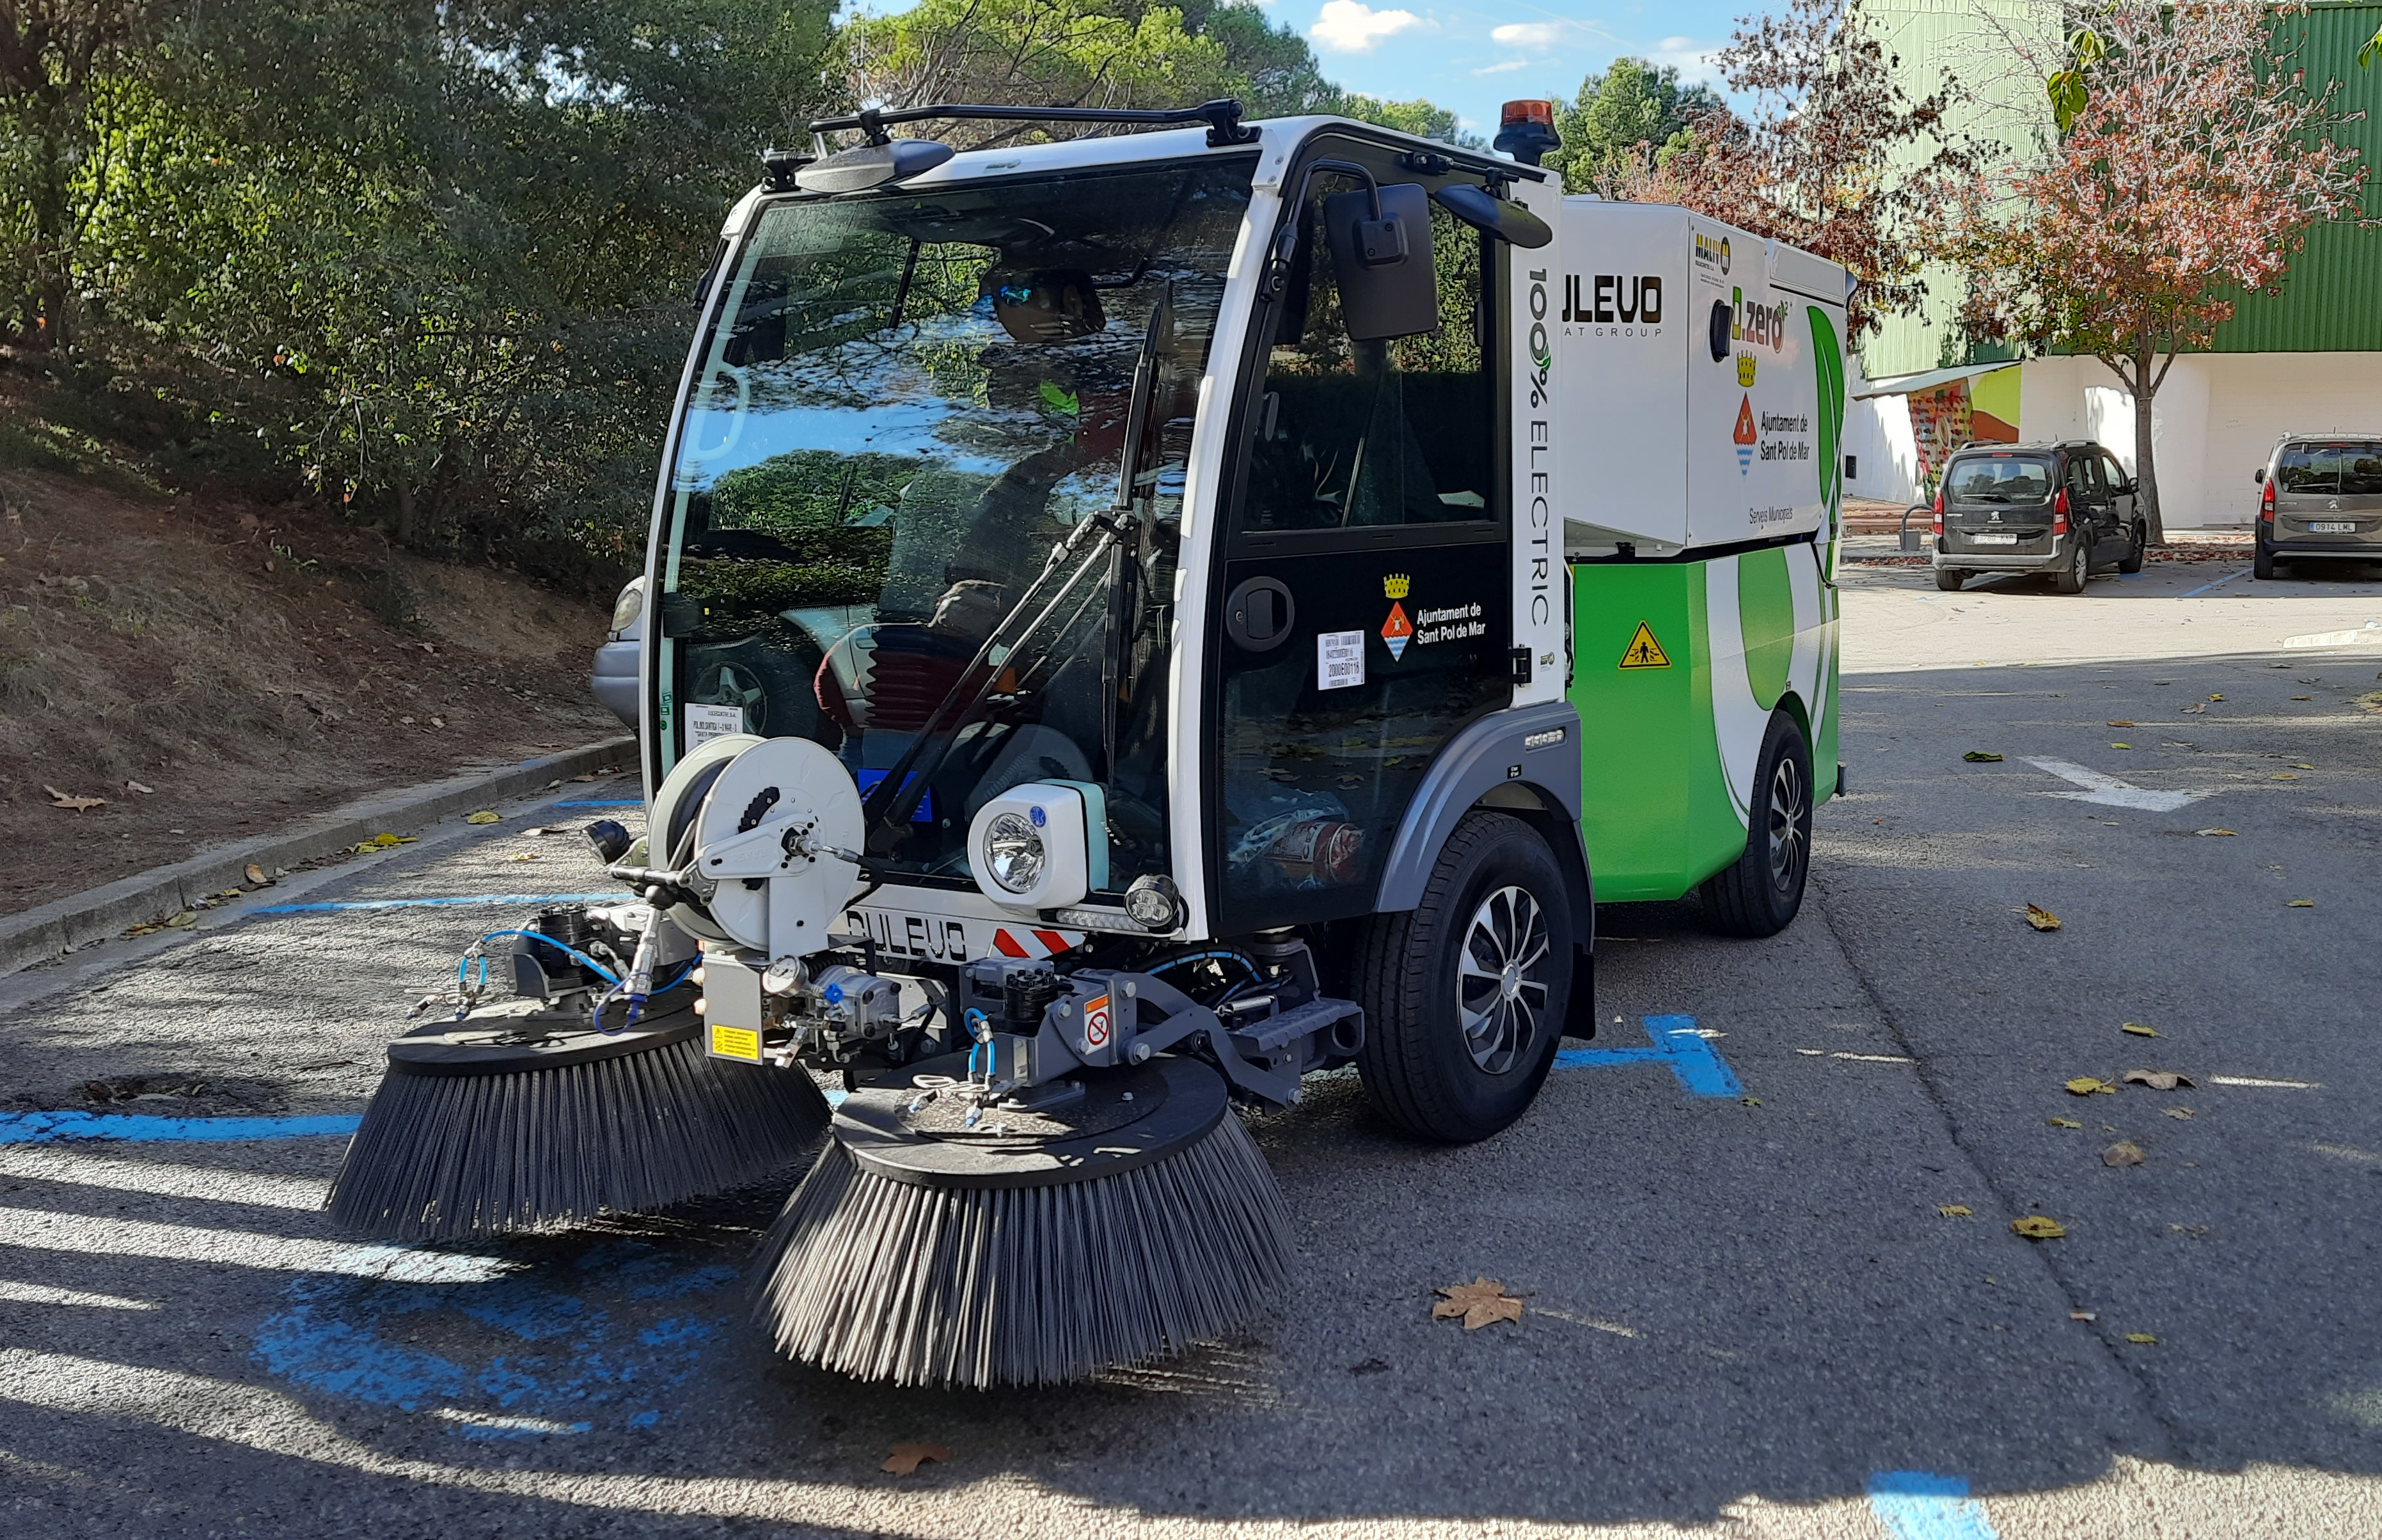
(1131, 622)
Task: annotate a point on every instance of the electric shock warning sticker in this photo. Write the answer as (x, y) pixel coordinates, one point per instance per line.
(1339, 659)
(1643, 651)
(735, 1043)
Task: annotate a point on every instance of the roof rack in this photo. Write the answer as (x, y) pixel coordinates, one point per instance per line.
(1221, 115)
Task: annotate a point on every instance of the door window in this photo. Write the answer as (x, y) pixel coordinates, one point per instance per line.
(1366, 589)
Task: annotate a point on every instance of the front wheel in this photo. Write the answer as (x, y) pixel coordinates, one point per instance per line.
(2132, 562)
(1761, 894)
(1464, 994)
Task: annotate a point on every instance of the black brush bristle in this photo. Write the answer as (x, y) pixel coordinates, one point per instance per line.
(887, 1279)
(440, 1157)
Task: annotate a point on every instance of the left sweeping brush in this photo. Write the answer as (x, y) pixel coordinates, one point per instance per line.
(532, 1118)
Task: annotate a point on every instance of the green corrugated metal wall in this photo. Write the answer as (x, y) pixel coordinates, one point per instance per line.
(2332, 303)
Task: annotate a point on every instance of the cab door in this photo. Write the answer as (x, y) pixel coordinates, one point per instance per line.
(1364, 592)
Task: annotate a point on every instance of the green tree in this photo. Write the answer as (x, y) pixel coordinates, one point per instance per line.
(1633, 103)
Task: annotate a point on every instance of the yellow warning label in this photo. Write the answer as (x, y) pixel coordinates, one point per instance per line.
(736, 1043)
(1644, 652)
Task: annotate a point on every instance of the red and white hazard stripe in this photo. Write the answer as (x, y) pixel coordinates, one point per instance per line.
(1019, 941)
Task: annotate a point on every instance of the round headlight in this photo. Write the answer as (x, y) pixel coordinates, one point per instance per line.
(1151, 903)
(630, 607)
(1013, 850)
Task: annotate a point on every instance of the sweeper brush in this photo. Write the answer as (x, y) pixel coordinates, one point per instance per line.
(1041, 1248)
(512, 1121)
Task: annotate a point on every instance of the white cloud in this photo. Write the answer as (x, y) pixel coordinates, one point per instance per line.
(1541, 35)
(1503, 66)
(1353, 26)
(1695, 61)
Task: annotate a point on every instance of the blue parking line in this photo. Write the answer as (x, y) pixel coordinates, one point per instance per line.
(2218, 583)
(442, 903)
(1920, 1505)
(1700, 1069)
(614, 802)
(44, 1128)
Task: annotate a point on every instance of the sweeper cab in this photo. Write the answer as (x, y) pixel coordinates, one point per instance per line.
(1135, 621)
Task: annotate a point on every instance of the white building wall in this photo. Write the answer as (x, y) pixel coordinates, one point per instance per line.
(2214, 420)
(1885, 452)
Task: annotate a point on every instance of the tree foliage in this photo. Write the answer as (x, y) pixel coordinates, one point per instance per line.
(1834, 156)
(2193, 159)
(1633, 110)
(429, 260)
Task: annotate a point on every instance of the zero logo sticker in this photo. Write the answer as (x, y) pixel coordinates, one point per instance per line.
(1096, 1022)
(1643, 651)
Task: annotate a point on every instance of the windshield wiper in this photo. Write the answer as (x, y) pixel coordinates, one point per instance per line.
(888, 807)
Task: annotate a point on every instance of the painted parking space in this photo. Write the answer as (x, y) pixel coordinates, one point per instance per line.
(1679, 1045)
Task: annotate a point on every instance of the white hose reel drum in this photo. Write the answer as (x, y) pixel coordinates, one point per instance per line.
(767, 816)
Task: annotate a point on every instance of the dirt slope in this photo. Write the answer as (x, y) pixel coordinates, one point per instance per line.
(246, 666)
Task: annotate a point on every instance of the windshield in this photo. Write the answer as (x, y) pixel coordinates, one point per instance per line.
(2342, 469)
(2001, 479)
(907, 400)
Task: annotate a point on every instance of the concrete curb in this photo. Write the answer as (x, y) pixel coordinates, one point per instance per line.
(39, 934)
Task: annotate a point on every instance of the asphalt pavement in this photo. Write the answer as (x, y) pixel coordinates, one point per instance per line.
(1769, 1278)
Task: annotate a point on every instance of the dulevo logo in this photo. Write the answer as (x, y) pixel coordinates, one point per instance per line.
(1612, 298)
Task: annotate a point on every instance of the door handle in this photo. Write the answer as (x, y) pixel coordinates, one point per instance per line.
(1260, 615)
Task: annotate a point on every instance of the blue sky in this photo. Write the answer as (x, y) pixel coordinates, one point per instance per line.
(1473, 58)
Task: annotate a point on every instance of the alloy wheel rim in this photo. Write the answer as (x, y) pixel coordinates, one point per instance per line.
(1502, 992)
(1789, 839)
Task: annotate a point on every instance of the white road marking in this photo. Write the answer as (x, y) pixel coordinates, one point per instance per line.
(2370, 631)
(2109, 792)
(2263, 1084)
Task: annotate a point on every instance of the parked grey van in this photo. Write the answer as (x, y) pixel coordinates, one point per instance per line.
(2065, 508)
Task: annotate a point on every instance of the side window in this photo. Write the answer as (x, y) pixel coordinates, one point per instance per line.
(1355, 434)
(2081, 481)
(2112, 474)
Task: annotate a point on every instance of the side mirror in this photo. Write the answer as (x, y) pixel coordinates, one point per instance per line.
(1508, 221)
(2259, 476)
(1382, 260)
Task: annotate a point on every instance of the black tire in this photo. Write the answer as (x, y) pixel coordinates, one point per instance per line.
(2132, 562)
(1950, 579)
(2262, 565)
(1420, 1066)
(1761, 893)
(2070, 577)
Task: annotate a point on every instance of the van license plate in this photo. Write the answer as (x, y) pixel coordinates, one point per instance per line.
(1995, 539)
(2332, 526)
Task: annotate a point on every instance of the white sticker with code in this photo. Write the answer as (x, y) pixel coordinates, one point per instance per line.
(706, 723)
(1339, 659)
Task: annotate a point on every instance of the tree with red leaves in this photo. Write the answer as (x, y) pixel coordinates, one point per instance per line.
(1836, 157)
(2191, 158)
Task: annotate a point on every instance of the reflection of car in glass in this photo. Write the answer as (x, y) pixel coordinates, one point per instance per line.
(2320, 500)
(2066, 510)
(614, 679)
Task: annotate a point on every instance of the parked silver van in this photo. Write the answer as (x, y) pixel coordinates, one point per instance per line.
(2320, 499)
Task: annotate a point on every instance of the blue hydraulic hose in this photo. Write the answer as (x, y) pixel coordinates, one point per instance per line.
(574, 953)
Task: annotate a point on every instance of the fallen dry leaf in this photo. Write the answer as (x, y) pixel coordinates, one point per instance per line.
(1480, 1303)
(524, 855)
(2215, 833)
(438, 721)
(255, 874)
(2121, 745)
(1955, 1211)
(71, 803)
(144, 790)
(2286, 775)
(2302, 766)
(187, 918)
(2157, 1079)
(2088, 1085)
(2065, 1123)
(2145, 1338)
(2121, 722)
(906, 1458)
(2082, 1315)
(2040, 918)
(2217, 697)
(1978, 756)
(2125, 1151)
(407, 721)
(2135, 1029)
(2193, 711)
(2300, 903)
(2038, 1227)
(2303, 697)
(482, 816)
(2180, 1114)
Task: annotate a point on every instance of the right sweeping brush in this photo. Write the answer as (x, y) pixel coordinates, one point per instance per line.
(1123, 1227)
